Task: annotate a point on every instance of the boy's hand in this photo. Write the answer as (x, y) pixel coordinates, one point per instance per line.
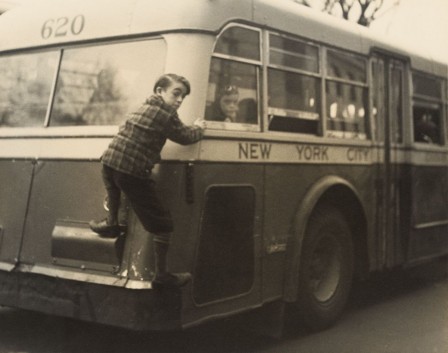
(200, 122)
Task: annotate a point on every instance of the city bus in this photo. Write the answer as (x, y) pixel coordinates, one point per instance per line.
(333, 167)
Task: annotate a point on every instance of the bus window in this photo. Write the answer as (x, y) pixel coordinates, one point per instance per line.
(426, 125)
(239, 42)
(99, 85)
(427, 109)
(294, 102)
(233, 81)
(289, 53)
(294, 98)
(346, 92)
(25, 87)
(232, 92)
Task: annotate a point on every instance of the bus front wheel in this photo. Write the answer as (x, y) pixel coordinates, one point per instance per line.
(326, 268)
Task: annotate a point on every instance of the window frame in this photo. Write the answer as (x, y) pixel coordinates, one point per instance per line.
(237, 126)
(366, 86)
(293, 114)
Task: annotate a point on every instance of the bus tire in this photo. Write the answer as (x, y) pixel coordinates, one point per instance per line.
(326, 268)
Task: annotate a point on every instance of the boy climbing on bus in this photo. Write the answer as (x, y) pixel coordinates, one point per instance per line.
(129, 159)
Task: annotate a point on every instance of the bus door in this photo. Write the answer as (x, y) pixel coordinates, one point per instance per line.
(387, 77)
(15, 180)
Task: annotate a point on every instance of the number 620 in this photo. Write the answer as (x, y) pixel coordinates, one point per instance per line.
(62, 26)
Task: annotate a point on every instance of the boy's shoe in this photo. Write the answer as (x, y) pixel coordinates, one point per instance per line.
(172, 279)
(104, 229)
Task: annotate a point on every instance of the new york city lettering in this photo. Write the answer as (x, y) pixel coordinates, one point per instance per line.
(254, 150)
(307, 153)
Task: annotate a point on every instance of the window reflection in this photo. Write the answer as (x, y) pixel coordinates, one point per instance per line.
(346, 110)
(346, 95)
(345, 66)
(25, 88)
(100, 85)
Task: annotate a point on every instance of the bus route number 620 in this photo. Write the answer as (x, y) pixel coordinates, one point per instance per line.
(62, 26)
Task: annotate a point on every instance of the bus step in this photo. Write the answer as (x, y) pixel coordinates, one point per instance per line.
(75, 244)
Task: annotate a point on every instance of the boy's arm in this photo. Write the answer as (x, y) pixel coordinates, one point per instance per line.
(183, 134)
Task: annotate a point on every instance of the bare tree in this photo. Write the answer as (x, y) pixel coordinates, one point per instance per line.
(361, 11)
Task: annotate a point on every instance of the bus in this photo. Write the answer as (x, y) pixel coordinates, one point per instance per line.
(333, 167)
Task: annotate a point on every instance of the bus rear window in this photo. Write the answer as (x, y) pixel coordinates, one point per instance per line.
(25, 88)
(99, 85)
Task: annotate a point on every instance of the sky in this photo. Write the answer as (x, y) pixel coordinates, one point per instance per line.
(419, 23)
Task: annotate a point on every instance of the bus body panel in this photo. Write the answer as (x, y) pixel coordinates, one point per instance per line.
(137, 309)
(17, 175)
(69, 191)
(227, 257)
(429, 223)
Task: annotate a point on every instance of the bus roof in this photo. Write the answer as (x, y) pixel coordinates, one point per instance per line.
(55, 22)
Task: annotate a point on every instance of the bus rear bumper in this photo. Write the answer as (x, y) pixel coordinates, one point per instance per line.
(136, 309)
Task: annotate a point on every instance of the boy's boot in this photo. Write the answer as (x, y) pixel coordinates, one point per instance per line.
(162, 277)
(108, 227)
(105, 228)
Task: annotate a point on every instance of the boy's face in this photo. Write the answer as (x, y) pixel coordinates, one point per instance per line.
(229, 105)
(173, 95)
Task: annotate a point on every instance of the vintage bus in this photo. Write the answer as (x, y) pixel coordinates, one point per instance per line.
(335, 165)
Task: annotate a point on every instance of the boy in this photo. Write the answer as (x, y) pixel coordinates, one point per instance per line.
(129, 159)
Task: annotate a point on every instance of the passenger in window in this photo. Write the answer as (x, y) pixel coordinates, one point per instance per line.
(129, 159)
(426, 129)
(225, 107)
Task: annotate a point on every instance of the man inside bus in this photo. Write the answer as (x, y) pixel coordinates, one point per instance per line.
(128, 162)
(425, 128)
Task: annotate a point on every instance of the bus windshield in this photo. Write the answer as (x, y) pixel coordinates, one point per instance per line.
(95, 85)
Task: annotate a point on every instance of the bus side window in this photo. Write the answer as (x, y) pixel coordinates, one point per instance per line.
(293, 88)
(25, 88)
(426, 125)
(233, 81)
(294, 102)
(427, 93)
(232, 92)
(346, 93)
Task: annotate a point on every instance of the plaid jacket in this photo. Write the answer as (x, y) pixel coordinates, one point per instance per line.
(137, 146)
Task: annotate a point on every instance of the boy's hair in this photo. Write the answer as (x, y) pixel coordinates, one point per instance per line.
(167, 80)
(227, 90)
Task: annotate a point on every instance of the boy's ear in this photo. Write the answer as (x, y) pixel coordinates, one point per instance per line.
(159, 90)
